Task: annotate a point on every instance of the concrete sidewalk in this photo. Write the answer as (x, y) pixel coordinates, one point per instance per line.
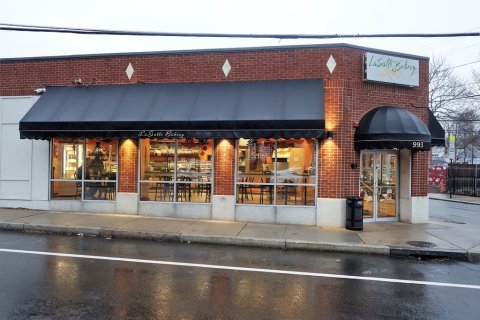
(435, 239)
(454, 198)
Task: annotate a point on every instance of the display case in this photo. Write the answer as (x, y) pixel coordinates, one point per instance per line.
(72, 160)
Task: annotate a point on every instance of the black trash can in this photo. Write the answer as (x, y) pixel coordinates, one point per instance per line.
(354, 213)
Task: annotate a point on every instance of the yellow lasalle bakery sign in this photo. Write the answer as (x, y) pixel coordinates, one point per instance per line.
(391, 69)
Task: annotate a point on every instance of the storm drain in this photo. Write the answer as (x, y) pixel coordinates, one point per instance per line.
(421, 244)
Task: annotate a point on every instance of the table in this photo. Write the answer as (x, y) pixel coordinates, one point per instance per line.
(289, 183)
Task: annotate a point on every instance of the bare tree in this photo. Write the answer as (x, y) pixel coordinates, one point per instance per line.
(455, 103)
(476, 86)
(467, 133)
(447, 92)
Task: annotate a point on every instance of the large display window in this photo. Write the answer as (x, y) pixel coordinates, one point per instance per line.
(83, 169)
(176, 170)
(276, 171)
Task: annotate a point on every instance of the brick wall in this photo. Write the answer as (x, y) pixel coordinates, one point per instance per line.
(128, 165)
(224, 167)
(420, 173)
(347, 97)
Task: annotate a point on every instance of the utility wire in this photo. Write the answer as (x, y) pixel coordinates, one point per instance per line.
(33, 28)
(461, 65)
(436, 43)
(459, 120)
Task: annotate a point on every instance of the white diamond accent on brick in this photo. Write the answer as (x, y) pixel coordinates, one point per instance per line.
(226, 68)
(129, 71)
(331, 64)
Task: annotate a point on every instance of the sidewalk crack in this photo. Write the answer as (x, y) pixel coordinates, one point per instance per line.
(245, 225)
(445, 241)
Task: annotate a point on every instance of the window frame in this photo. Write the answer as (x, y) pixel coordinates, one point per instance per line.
(82, 181)
(174, 181)
(275, 184)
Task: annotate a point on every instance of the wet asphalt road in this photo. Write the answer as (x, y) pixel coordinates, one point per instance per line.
(52, 287)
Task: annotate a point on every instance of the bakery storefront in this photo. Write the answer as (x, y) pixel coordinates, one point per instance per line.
(276, 143)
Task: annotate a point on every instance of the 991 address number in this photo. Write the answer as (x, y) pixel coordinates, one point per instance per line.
(417, 144)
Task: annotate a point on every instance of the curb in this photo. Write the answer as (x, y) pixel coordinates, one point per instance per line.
(338, 247)
(12, 226)
(94, 231)
(242, 241)
(453, 200)
(395, 251)
(474, 256)
(432, 253)
(141, 235)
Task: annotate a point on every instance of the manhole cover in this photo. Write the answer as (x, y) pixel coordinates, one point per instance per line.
(421, 244)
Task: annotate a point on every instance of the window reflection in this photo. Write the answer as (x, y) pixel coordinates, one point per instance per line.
(101, 160)
(255, 160)
(71, 167)
(67, 158)
(66, 169)
(281, 169)
(296, 161)
(176, 170)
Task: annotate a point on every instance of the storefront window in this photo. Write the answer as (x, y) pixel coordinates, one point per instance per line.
(276, 171)
(100, 170)
(89, 175)
(176, 170)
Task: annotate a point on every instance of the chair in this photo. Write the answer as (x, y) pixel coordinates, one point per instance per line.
(109, 191)
(266, 190)
(184, 192)
(106, 188)
(288, 191)
(207, 188)
(245, 189)
(162, 190)
(261, 190)
(78, 190)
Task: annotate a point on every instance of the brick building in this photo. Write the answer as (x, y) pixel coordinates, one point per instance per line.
(276, 134)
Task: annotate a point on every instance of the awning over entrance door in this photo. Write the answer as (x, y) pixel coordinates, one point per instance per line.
(391, 127)
(436, 130)
(250, 109)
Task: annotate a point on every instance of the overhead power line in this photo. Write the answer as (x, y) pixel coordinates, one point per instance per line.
(459, 120)
(462, 65)
(33, 28)
(443, 41)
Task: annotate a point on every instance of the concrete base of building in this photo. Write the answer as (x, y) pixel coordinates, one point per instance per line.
(276, 214)
(296, 215)
(176, 210)
(127, 203)
(26, 204)
(331, 212)
(255, 213)
(83, 206)
(223, 208)
(414, 210)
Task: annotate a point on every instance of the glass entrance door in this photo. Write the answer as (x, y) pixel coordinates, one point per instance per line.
(379, 185)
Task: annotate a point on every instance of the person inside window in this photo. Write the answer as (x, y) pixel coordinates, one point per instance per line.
(97, 162)
(79, 173)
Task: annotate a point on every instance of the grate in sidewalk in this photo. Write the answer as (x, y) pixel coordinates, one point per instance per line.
(421, 244)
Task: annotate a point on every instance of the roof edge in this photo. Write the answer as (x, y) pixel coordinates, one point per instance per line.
(215, 50)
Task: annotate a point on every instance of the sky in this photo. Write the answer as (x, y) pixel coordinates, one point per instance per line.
(243, 16)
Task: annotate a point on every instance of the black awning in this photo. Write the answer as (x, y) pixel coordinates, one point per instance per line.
(436, 130)
(253, 109)
(391, 127)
